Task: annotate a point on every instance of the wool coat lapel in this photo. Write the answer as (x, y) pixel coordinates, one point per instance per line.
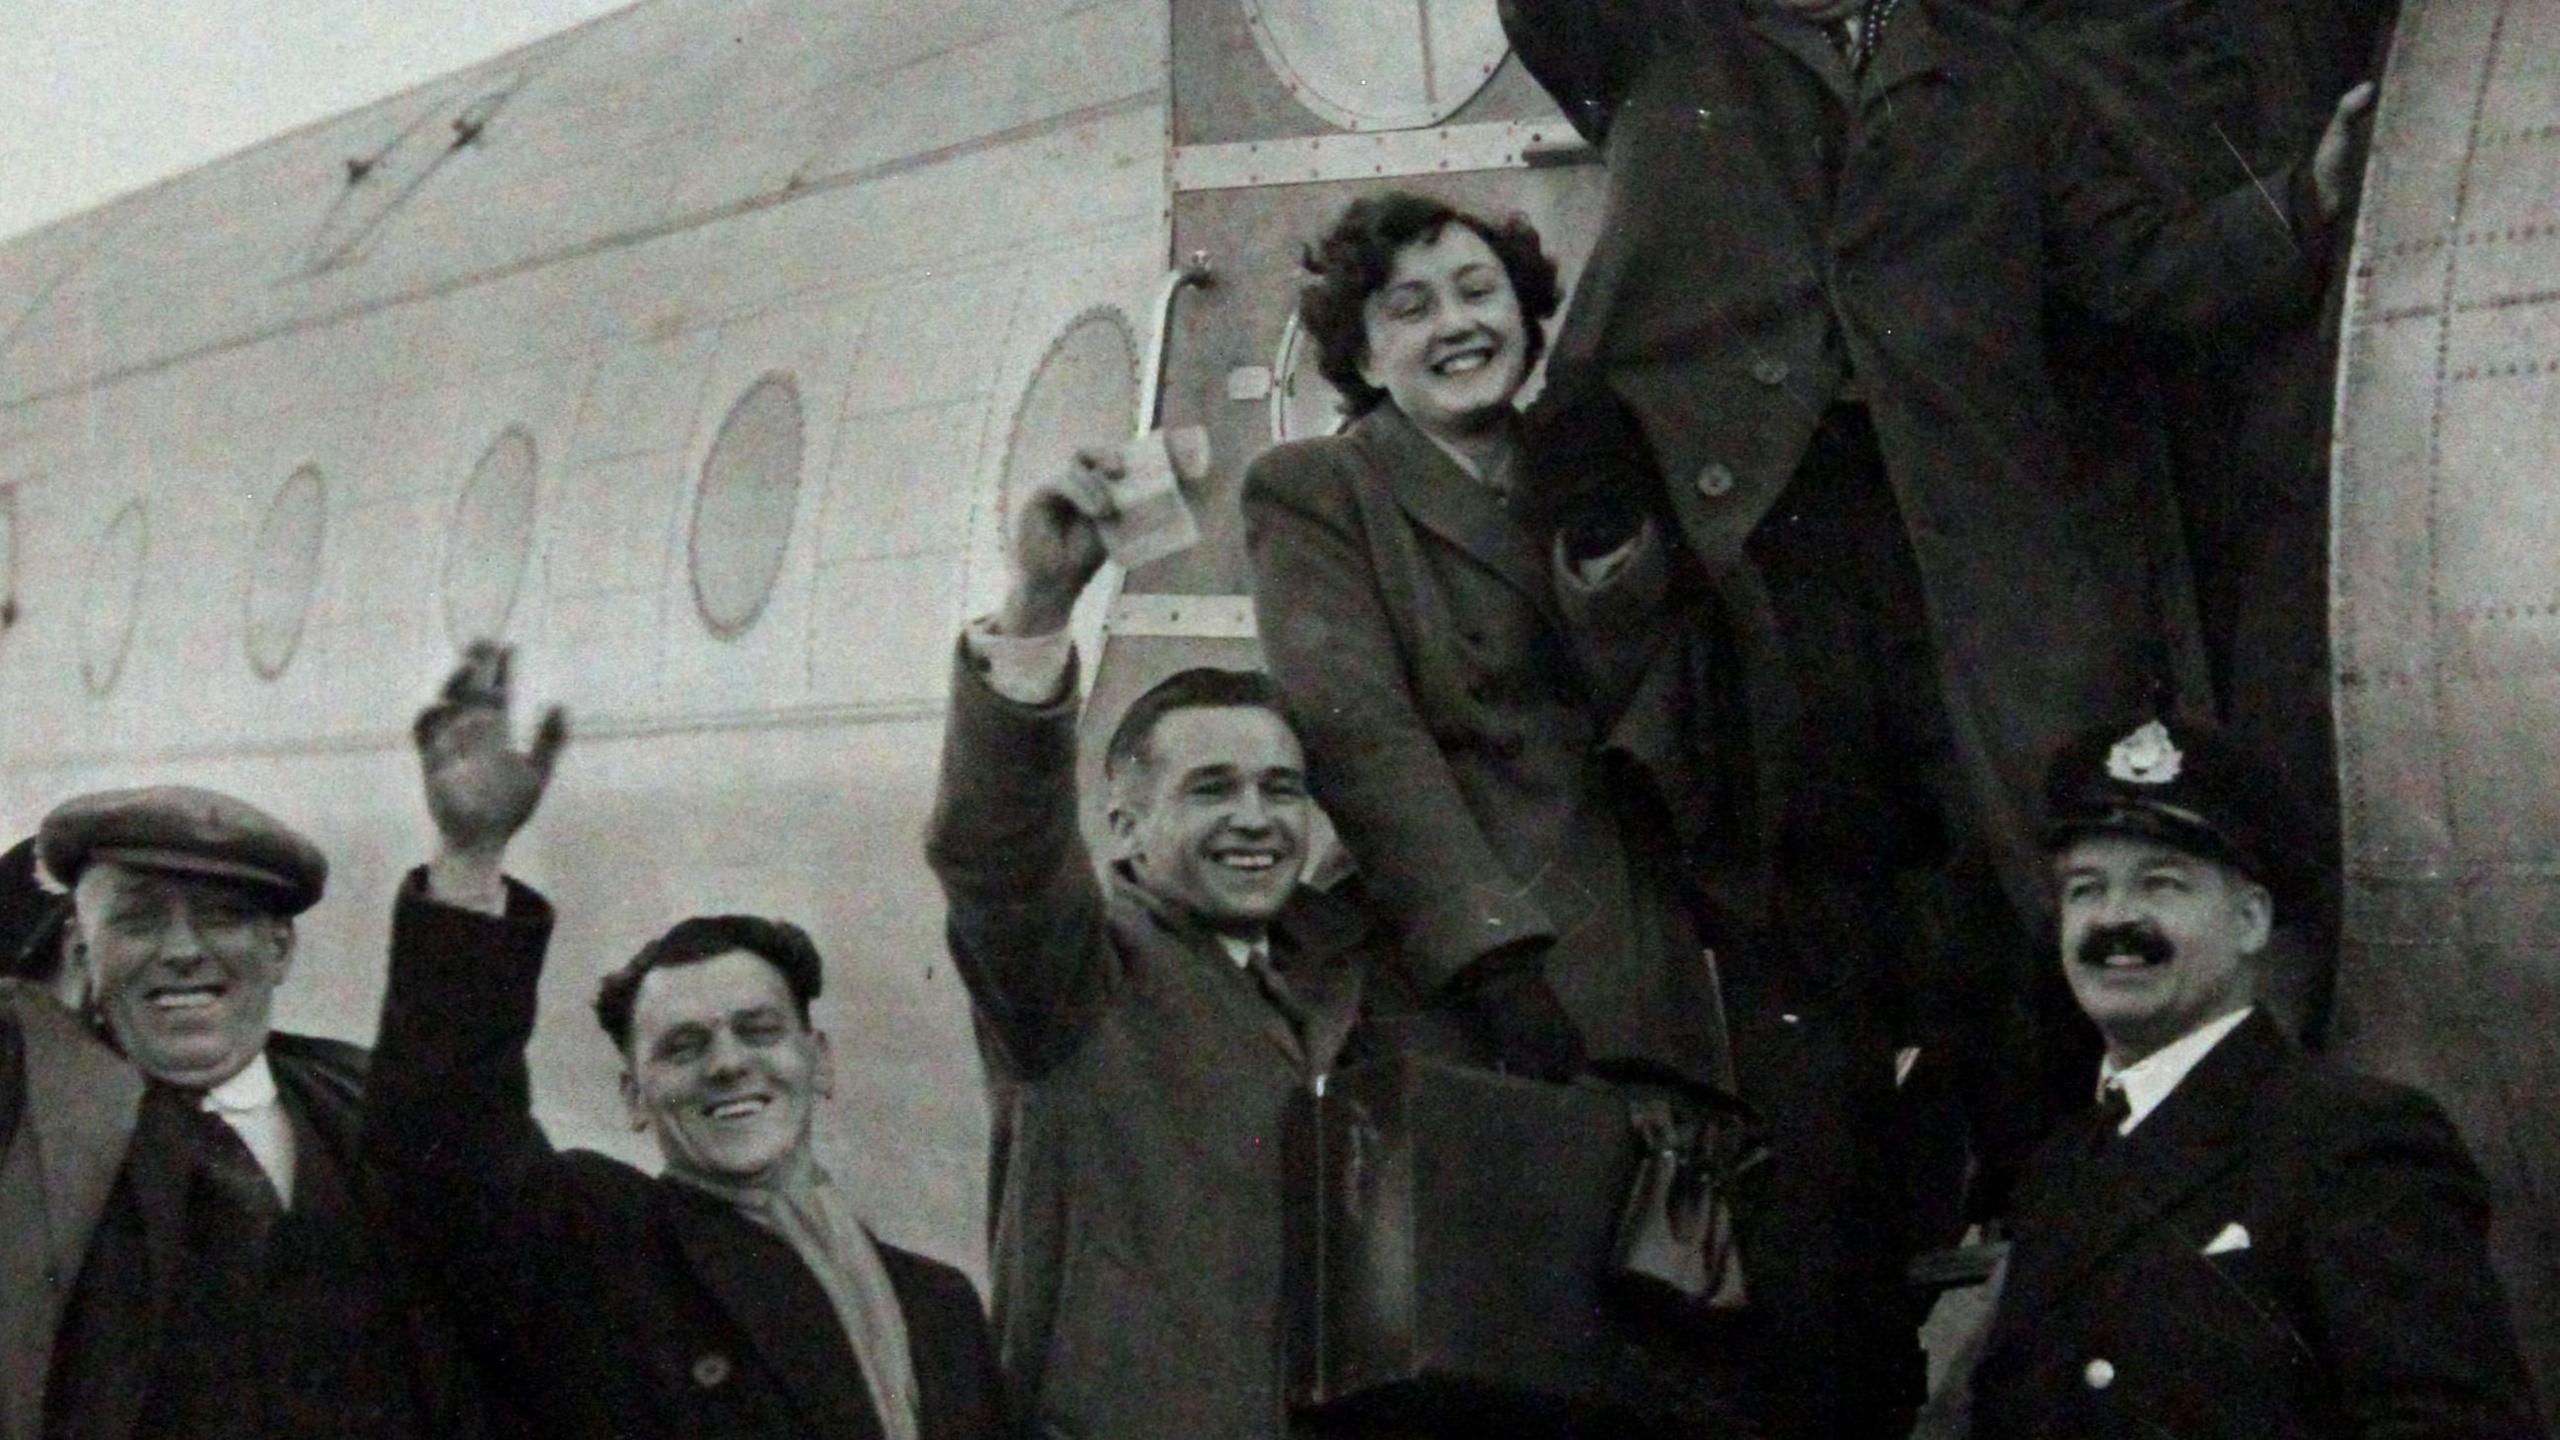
(1190, 957)
(82, 1102)
(2196, 1136)
(1306, 940)
(1914, 49)
(1803, 42)
(1456, 506)
(1310, 940)
(771, 1295)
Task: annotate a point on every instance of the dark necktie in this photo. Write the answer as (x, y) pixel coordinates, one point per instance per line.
(2105, 1122)
(1275, 988)
(209, 1378)
(231, 1201)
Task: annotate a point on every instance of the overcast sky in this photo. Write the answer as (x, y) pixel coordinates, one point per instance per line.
(105, 96)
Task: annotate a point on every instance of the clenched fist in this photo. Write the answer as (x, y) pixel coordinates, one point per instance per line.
(1057, 543)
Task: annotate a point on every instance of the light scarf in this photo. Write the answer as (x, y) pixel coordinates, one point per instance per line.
(805, 1209)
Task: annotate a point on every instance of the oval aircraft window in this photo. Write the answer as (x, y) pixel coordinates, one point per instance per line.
(1380, 64)
(1084, 394)
(283, 569)
(490, 539)
(742, 517)
(1303, 402)
(113, 599)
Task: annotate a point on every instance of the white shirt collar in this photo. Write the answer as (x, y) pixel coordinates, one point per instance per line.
(253, 1089)
(2148, 1081)
(1239, 949)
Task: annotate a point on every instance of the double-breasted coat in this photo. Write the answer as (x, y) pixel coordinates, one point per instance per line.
(1143, 1076)
(601, 1302)
(2281, 1249)
(1783, 234)
(1440, 686)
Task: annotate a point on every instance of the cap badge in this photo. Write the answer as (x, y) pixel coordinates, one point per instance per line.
(2146, 757)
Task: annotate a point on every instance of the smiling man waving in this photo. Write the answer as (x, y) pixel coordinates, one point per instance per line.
(737, 1294)
(190, 1244)
(1142, 1038)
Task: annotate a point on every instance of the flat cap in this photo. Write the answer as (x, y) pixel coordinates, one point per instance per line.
(181, 830)
(2182, 782)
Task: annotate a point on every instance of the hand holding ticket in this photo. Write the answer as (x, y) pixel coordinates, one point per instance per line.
(1120, 502)
(1148, 518)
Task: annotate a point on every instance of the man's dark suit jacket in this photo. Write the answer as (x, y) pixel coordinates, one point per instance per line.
(1774, 226)
(1143, 1076)
(2361, 1304)
(602, 1302)
(94, 1187)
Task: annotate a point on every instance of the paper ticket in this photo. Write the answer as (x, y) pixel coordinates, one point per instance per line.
(1149, 518)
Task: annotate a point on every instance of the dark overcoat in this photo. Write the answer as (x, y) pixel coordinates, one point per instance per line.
(94, 1194)
(604, 1303)
(1138, 1228)
(1442, 692)
(1776, 226)
(2282, 1249)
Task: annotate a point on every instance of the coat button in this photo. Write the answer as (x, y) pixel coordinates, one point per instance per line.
(1715, 480)
(2100, 1373)
(712, 1371)
(1770, 370)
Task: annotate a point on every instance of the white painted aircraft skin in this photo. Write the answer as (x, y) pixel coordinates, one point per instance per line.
(898, 207)
(2445, 614)
(903, 208)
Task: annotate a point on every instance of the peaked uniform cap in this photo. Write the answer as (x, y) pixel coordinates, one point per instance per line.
(2182, 782)
(185, 831)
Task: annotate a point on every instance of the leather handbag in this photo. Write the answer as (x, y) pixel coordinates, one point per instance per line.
(1454, 1245)
(1675, 1245)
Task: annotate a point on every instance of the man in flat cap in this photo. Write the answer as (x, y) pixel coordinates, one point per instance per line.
(735, 1294)
(193, 1248)
(2240, 1240)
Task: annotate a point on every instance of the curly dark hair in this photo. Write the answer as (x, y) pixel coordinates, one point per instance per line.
(1355, 257)
(781, 944)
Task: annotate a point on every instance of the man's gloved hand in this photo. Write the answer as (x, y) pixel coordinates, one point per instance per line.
(1517, 1013)
(1587, 474)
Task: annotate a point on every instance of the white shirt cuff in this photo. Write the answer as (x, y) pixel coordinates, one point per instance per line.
(1025, 669)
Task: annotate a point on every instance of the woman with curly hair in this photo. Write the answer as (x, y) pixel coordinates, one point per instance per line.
(1427, 647)
(1464, 675)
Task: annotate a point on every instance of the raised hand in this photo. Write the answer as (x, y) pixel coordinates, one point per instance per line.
(480, 788)
(1057, 543)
